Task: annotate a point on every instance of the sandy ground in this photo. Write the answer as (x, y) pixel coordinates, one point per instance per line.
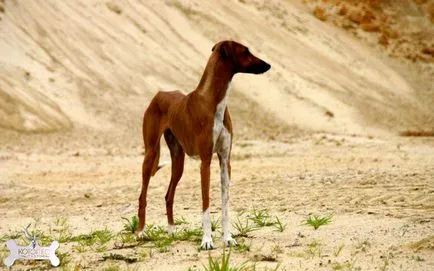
(380, 193)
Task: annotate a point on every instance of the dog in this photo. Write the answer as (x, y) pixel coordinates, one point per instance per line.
(197, 124)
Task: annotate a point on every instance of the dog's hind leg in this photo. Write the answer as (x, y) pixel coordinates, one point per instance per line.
(152, 124)
(177, 155)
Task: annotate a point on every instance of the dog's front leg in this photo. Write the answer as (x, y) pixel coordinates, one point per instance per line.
(225, 181)
(206, 220)
(227, 237)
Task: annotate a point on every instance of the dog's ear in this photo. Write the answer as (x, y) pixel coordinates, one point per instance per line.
(224, 49)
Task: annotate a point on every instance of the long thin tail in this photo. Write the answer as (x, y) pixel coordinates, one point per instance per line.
(155, 166)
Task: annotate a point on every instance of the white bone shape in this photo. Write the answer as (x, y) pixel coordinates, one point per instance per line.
(31, 253)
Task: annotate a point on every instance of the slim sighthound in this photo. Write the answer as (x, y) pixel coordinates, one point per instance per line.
(197, 124)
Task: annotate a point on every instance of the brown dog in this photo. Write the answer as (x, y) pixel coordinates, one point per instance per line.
(198, 124)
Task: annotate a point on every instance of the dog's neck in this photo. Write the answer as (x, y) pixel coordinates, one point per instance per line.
(214, 84)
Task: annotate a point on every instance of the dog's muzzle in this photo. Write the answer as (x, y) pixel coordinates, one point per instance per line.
(259, 68)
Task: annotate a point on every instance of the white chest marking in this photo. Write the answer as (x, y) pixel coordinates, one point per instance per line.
(219, 116)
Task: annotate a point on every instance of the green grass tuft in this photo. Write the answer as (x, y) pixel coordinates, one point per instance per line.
(131, 225)
(243, 228)
(100, 237)
(338, 250)
(194, 235)
(278, 225)
(152, 233)
(215, 224)
(318, 221)
(223, 264)
(242, 246)
(261, 217)
(61, 230)
(161, 240)
(180, 221)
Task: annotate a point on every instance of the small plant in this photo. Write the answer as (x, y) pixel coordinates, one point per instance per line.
(243, 229)
(276, 249)
(131, 225)
(158, 236)
(363, 246)
(163, 244)
(4, 252)
(261, 218)
(101, 248)
(318, 221)
(161, 240)
(151, 233)
(194, 235)
(10, 236)
(100, 236)
(127, 238)
(314, 249)
(242, 247)
(278, 225)
(385, 263)
(338, 250)
(143, 254)
(224, 263)
(215, 224)
(180, 221)
(80, 248)
(342, 266)
(64, 258)
(61, 229)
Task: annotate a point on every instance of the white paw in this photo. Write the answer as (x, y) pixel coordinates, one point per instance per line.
(140, 235)
(171, 229)
(207, 243)
(230, 242)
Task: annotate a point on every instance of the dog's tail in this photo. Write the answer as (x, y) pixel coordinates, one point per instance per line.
(157, 165)
(162, 164)
(151, 124)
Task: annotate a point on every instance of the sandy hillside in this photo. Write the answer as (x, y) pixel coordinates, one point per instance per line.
(316, 135)
(95, 64)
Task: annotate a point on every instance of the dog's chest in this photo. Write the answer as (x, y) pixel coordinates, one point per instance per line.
(221, 137)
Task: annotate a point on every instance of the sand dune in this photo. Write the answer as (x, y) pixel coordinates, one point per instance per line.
(84, 63)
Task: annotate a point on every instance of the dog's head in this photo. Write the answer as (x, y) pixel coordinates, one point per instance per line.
(240, 57)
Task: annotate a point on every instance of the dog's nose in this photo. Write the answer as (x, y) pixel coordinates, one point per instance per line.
(267, 66)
